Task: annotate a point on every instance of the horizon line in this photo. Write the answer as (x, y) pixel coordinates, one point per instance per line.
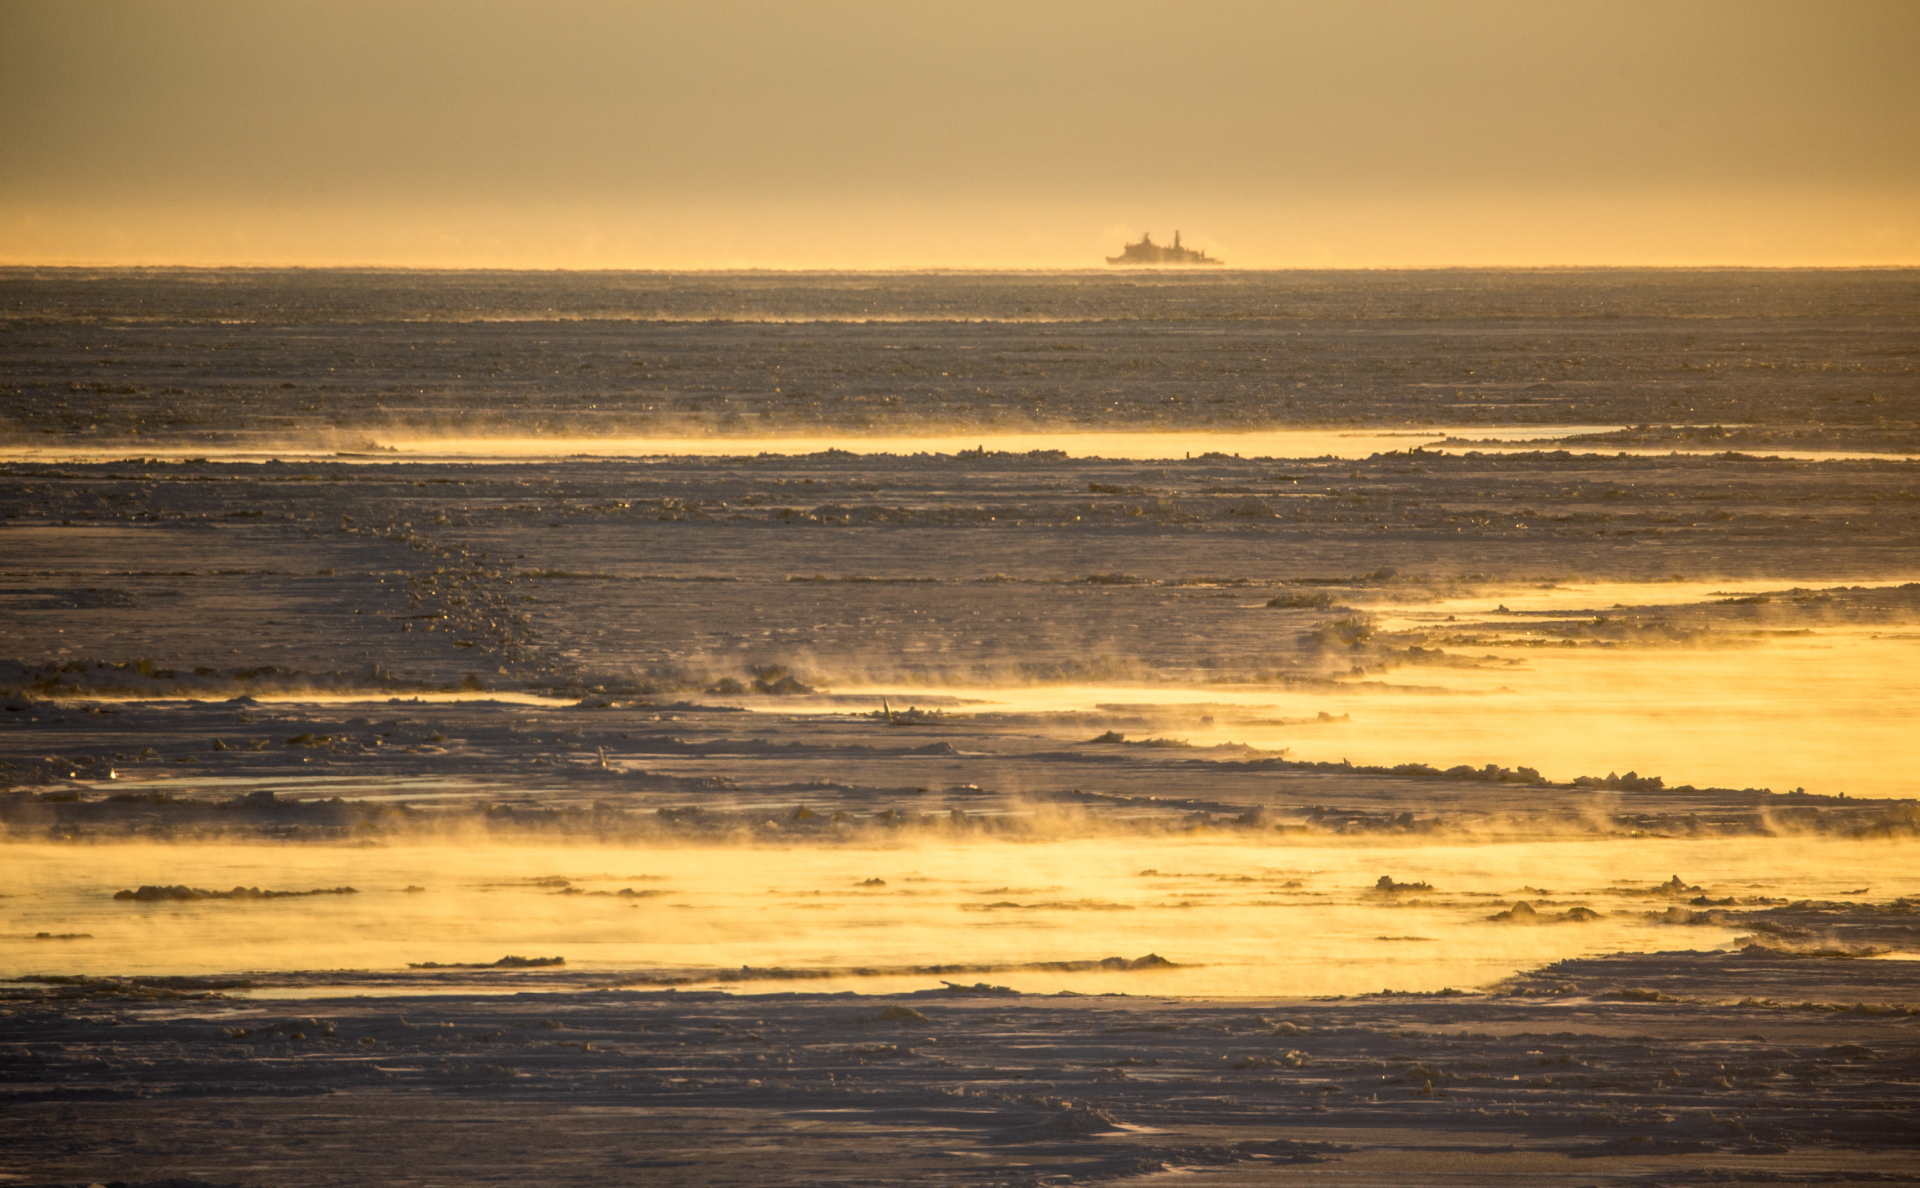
(1104, 270)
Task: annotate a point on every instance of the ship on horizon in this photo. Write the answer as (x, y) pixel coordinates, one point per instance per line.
(1147, 252)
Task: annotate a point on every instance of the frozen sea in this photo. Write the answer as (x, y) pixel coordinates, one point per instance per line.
(1374, 697)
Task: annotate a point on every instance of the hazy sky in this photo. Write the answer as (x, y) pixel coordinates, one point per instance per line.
(575, 133)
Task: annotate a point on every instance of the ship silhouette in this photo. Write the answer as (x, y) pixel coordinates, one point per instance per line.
(1149, 252)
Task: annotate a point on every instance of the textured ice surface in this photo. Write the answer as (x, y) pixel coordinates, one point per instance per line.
(1610, 738)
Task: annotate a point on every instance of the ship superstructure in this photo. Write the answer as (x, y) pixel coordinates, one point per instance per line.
(1147, 252)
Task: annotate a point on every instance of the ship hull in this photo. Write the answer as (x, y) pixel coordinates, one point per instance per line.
(1124, 262)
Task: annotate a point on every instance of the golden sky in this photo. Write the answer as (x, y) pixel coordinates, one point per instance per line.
(719, 134)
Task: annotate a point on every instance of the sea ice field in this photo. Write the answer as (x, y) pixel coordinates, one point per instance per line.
(959, 728)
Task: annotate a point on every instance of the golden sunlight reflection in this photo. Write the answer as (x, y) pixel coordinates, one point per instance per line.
(1831, 713)
(1122, 444)
(380, 445)
(1235, 918)
(1116, 444)
(1582, 595)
